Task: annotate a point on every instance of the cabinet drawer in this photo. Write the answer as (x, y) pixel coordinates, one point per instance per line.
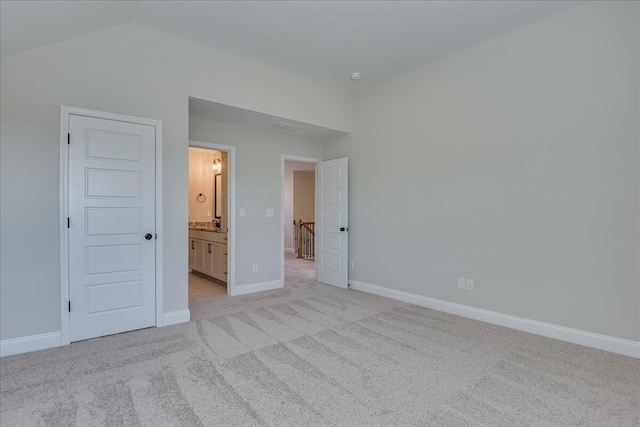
(211, 236)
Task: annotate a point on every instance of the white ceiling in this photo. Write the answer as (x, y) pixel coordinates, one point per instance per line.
(28, 24)
(323, 41)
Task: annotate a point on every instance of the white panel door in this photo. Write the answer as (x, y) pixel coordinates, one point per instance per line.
(332, 222)
(111, 227)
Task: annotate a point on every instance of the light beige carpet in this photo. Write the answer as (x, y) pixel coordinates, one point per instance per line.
(312, 354)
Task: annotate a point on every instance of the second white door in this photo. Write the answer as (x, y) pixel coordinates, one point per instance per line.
(332, 222)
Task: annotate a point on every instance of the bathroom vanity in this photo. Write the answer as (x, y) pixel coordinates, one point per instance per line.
(208, 253)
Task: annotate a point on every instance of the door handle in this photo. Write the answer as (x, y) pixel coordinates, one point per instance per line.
(148, 236)
(344, 228)
(209, 248)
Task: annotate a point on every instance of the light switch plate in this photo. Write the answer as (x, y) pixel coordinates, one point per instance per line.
(461, 284)
(243, 213)
(269, 213)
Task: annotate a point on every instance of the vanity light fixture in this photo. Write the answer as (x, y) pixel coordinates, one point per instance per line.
(216, 165)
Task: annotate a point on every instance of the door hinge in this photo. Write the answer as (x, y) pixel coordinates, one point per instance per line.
(68, 223)
(69, 306)
(68, 138)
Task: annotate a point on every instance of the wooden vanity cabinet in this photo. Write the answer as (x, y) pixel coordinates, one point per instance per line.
(208, 253)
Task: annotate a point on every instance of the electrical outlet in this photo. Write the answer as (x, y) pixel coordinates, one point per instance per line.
(269, 213)
(255, 267)
(243, 213)
(351, 264)
(461, 284)
(469, 283)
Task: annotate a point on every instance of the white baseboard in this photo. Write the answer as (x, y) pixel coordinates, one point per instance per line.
(257, 287)
(30, 343)
(290, 250)
(576, 336)
(54, 339)
(175, 317)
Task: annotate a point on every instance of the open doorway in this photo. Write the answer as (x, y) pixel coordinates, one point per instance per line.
(299, 200)
(209, 221)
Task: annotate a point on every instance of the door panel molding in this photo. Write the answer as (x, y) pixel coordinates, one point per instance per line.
(65, 114)
(332, 217)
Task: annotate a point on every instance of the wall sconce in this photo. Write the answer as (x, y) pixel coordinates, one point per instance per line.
(216, 165)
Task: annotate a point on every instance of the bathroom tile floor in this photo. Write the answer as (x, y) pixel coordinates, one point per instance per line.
(201, 287)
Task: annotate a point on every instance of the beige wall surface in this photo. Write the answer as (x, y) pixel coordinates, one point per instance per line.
(202, 180)
(289, 238)
(304, 192)
(128, 70)
(514, 163)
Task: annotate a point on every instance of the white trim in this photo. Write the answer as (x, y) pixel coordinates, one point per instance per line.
(257, 287)
(30, 343)
(231, 235)
(283, 158)
(290, 250)
(159, 228)
(64, 235)
(588, 339)
(65, 112)
(175, 317)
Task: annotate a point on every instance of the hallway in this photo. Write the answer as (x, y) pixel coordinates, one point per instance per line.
(298, 271)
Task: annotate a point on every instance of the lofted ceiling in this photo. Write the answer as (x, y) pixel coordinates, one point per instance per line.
(324, 41)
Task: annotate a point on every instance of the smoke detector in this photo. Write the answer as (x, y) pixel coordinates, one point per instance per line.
(355, 76)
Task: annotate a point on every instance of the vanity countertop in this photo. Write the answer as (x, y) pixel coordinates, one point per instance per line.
(209, 230)
(205, 226)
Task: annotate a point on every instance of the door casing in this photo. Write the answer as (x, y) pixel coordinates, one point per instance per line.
(65, 113)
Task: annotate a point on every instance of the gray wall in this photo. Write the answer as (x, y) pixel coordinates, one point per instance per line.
(258, 176)
(514, 163)
(128, 70)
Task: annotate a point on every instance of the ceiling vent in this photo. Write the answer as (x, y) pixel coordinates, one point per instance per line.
(287, 126)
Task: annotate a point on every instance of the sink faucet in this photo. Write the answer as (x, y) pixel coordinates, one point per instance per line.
(216, 223)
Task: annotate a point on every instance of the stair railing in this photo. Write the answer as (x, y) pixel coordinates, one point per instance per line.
(305, 236)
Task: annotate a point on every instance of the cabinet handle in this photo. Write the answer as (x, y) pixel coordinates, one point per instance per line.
(224, 253)
(193, 244)
(209, 248)
(226, 238)
(224, 272)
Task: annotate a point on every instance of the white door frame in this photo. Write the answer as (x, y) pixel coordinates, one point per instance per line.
(231, 176)
(283, 158)
(65, 112)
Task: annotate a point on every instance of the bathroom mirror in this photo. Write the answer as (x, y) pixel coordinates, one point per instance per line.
(218, 195)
